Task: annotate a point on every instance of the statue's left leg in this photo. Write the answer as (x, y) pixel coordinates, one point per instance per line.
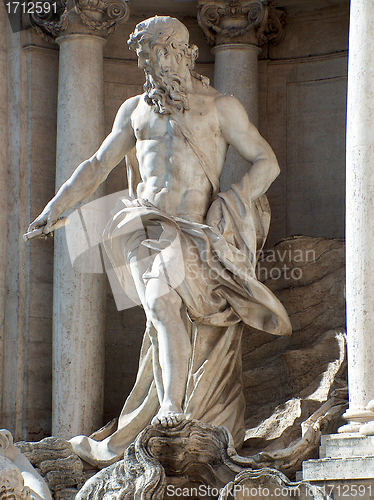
(174, 347)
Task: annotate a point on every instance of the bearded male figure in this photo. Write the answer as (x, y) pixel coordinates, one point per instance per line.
(195, 276)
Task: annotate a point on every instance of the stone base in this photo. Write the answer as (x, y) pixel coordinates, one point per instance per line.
(193, 461)
(346, 467)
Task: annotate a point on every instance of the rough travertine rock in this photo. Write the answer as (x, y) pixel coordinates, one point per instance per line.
(268, 483)
(191, 460)
(289, 383)
(55, 460)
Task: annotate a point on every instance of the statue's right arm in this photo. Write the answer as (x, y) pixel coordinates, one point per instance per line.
(87, 177)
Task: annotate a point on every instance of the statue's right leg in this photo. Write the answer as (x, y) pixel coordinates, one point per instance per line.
(164, 309)
(171, 344)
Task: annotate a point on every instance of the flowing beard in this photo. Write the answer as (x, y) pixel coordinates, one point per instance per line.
(165, 92)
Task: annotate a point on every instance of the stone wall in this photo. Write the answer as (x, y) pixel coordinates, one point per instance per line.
(28, 106)
(302, 115)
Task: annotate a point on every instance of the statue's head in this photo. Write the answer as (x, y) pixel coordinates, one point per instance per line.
(166, 32)
(163, 49)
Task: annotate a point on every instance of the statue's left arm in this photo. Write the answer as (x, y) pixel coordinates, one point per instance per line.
(244, 137)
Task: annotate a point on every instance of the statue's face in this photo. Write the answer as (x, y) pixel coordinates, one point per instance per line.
(143, 53)
(157, 60)
(166, 69)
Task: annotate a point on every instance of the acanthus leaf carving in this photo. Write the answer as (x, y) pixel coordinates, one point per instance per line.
(100, 16)
(49, 23)
(272, 30)
(235, 18)
(114, 11)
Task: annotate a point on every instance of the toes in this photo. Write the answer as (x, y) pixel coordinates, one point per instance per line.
(174, 420)
(155, 420)
(169, 419)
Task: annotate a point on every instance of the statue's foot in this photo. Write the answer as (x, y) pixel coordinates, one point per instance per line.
(168, 416)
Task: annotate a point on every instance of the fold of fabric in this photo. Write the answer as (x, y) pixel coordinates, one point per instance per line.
(212, 267)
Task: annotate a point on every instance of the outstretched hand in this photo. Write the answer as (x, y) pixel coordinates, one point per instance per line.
(46, 220)
(44, 224)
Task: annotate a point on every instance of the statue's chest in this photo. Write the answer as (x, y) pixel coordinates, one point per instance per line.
(152, 126)
(149, 125)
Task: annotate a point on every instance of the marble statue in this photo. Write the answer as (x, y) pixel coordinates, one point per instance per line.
(193, 266)
(18, 478)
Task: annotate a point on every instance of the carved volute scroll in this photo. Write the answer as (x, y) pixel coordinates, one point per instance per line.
(228, 21)
(95, 16)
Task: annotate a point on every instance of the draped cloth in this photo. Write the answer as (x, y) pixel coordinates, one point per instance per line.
(212, 268)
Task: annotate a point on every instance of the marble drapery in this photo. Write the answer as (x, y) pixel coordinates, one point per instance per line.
(212, 267)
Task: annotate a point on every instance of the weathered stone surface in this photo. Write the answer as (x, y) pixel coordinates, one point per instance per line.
(268, 483)
(191, 460)
(55, 460)
(289, 383)
(299, 438)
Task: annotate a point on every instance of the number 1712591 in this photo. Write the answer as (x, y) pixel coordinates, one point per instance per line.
(31, 7)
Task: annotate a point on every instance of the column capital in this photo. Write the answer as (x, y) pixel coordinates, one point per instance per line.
(241, 21)
(91, 17)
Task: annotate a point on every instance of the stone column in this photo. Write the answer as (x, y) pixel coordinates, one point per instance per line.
(3, 188)
(359, 219)
(346, 459)
(237, 29)
(79, 298)
(236, 72)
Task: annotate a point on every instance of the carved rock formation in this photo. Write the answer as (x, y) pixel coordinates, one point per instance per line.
(56, 462)
(289, 383)
(295, 391)
(193, 460)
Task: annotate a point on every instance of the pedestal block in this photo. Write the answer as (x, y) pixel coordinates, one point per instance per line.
(346, 467)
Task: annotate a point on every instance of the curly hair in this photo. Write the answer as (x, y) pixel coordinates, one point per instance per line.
(173, 35)
(167, 31)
